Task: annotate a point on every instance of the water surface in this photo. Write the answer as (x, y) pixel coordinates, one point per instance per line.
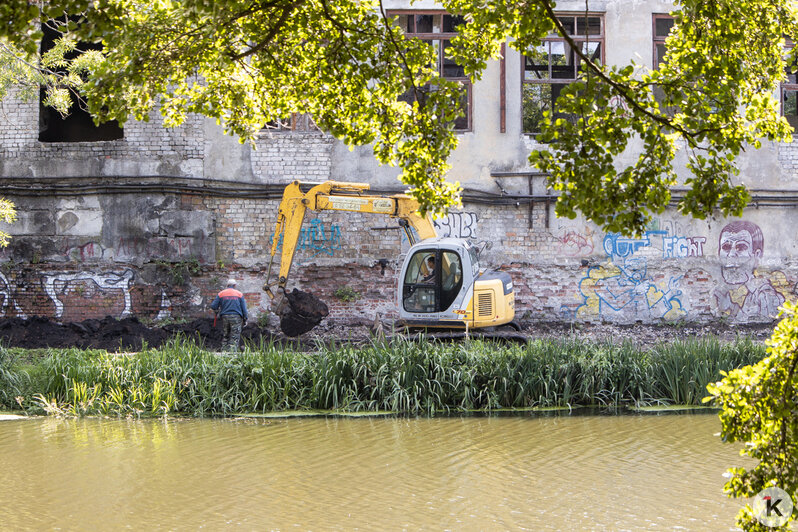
(474, 473)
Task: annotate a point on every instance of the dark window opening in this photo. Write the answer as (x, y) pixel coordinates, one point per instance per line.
(438, 28)
(789, 105)
(554, 64)
(78, 125)
(789, 90)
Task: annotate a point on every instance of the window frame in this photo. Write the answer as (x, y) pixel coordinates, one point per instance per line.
(792, 87)
(78, 126)
(657, 39)
(295, 123)
(600, 37)
(441, 36)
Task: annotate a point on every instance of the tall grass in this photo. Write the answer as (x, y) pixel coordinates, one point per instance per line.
(405, 376)
(12, 381)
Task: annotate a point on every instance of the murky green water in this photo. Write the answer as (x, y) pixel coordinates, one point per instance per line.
(477, 473)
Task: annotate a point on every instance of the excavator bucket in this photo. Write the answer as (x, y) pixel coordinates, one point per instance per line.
(300, 312)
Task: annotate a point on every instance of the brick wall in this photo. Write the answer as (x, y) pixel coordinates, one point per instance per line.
(285, 156)
(154, 255)
(567, 271)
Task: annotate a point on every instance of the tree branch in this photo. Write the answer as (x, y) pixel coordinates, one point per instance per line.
(288, 9)
(622, 90)
(399, 52)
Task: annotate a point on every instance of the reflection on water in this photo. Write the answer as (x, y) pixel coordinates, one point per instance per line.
(557, 473)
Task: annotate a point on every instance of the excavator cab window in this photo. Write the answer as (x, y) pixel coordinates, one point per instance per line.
(451, 278)
(432, 281)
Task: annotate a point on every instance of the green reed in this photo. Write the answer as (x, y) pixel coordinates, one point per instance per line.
(404, 376)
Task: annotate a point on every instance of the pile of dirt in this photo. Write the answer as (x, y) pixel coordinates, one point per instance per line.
(127, 334)
(300, 312)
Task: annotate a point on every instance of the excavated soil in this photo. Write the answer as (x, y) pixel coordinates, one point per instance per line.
(130, 334)
(301, 313)
(127, 334)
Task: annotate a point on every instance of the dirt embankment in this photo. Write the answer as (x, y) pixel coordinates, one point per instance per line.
(130, 334)
(127, 334)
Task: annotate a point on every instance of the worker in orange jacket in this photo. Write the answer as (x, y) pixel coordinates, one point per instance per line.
(231, 306)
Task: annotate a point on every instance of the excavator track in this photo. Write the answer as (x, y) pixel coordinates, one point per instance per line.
(510, 332)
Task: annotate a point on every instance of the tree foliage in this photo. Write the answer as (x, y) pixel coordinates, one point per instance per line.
(760, 408)
(249, 62)
(60, 71)
(713, 96)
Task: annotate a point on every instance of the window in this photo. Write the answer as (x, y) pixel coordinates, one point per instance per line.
(78, 125)
(433, 281)
(662, 27)
(553, 65)
(789, 92)
(296, 122)
(419, 291)
(439, 28)
(451, 278)
(789, 89)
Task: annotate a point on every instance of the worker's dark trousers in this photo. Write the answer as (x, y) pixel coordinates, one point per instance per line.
(231, 331)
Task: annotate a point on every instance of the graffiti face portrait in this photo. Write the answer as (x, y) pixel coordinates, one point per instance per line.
(740, 248)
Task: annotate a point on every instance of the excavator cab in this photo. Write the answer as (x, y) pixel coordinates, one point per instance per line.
(441, 285)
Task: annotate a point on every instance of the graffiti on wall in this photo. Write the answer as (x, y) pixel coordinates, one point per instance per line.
(457, 225)
(622, 289)
(84, 252)
(107, 293)
(680, 247)
(163, 311)
(576, 243)
(317, 239)
(156, 247)
(55, 285)
(134, 248)
(675, 244)
(7, 294)
(745, 293)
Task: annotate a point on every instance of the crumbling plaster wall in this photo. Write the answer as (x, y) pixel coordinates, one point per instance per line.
(156, 254)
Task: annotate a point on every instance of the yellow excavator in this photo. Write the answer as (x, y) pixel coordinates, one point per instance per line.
(441, 283)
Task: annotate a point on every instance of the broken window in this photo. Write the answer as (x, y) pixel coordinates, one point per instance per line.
(296, 122)
(553, 65)
(78, 125)
(789, 90)
(438, 28)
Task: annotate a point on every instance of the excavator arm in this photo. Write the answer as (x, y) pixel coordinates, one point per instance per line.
(337, 196)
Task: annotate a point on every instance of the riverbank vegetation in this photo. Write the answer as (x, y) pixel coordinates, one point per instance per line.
(402, 376)
(759, 407)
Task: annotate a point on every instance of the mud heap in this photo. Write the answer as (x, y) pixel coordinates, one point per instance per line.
(300, 312)
(127, 334)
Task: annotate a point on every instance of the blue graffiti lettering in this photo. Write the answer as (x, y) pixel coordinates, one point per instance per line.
(316, 238)
(682, 247)
(617, 245)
